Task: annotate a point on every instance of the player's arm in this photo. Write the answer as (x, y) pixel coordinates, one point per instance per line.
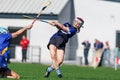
(59, 25)
(15, 34)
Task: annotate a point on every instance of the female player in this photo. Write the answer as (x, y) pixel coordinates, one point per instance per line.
(58, 42)
(4, 43)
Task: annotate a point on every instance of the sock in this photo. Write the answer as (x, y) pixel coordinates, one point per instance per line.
(58, 71)
(50, 69)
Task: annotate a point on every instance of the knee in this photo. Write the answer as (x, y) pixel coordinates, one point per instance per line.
(60, 61)
(16, 76)
(53, 57)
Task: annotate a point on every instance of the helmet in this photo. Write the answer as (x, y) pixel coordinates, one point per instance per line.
(80, 20)
(4, 30)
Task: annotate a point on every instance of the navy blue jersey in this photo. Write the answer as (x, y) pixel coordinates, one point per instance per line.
(7, 54)
(3, 62)
(64, 34)
(4, 41)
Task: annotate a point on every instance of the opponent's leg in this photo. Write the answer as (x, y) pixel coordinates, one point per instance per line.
(11, 74)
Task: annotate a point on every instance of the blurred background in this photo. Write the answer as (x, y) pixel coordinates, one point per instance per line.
(102, 22)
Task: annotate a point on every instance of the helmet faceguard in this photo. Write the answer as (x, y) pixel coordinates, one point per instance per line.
(4, 30)
(80, 20)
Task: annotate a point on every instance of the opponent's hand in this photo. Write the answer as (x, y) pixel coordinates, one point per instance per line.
(29, 26)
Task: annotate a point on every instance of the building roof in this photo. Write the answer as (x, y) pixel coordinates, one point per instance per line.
(31, 6)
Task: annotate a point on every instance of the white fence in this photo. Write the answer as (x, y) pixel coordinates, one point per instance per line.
(34, 56)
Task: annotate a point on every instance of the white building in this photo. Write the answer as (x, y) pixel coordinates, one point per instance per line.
(102, 21)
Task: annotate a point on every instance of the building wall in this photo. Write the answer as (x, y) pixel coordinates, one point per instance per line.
(102, 19)
(39, 34)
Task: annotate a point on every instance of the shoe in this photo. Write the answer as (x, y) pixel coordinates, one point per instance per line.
(47, 74)
(60, 76)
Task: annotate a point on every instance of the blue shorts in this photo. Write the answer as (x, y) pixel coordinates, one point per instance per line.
(57, 41)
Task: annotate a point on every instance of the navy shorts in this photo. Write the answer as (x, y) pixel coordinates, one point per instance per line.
(57, 41)
(3, 70)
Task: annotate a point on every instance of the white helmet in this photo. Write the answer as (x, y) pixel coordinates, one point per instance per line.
(4, 30)
(80, 20)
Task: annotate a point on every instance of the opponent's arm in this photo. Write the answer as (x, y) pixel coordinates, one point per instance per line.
(59, 25)
(15, 34)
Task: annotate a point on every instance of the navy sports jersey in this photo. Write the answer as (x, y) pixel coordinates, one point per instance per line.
(3, 62)
(60, 38)
(4, 41)
(64, 34)
(7, 54)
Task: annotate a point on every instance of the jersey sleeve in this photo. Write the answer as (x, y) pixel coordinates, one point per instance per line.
(4, 41)
(8, 36)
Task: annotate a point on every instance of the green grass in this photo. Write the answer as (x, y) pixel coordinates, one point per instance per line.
(29, 71)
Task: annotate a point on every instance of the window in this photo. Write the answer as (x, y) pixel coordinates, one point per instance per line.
(118, 38)
(14, 41)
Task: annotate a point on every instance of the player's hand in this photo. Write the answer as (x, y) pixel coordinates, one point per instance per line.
(53, 23)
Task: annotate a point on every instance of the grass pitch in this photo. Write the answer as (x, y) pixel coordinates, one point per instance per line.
(29, 71)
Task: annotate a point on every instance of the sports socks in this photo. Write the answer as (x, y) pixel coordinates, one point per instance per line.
(49, 69)
(58, 72)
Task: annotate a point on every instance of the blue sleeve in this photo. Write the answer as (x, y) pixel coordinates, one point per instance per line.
(4, 41)
(7, 36)
(72, 30)
(67, 24)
